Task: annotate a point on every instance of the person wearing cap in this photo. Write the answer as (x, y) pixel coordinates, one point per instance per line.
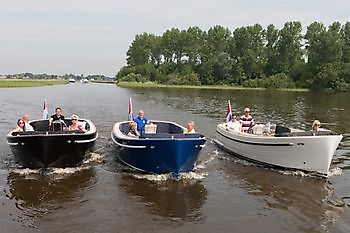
(246, 120)
(75, 124)
(133, 130)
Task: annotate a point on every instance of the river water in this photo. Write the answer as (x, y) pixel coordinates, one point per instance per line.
(223, 194)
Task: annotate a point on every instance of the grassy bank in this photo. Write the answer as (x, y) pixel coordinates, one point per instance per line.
(214, 87)
(8, 83)
(103, 81)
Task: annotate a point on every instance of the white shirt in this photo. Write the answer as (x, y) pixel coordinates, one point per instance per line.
(28, 127)
(235, 126)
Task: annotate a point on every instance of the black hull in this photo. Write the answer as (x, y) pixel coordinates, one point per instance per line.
(42, 150)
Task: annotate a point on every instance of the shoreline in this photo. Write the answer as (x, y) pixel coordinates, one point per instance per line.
(14, 83)
(210, 87)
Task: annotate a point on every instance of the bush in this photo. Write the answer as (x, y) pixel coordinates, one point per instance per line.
(178, 79)
(280, 80)
(132, 77)
(147, 71)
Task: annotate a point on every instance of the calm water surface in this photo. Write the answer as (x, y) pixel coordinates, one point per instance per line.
(223, 194)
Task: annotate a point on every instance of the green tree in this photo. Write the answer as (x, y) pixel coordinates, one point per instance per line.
(249, 50)
(271, 50)
(289, 47)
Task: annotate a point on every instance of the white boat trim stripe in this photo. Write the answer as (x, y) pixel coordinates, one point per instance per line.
(257, 143)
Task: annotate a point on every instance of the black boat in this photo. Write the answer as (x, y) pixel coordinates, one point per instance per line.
(52, 146)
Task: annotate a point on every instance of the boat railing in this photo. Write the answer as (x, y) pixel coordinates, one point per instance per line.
(306, 133)
(46, 132)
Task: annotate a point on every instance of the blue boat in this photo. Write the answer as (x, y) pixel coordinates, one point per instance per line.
(165, 150)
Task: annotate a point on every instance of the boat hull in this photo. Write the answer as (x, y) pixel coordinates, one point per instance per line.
(308, 153)
(161, 155)
(47, 149)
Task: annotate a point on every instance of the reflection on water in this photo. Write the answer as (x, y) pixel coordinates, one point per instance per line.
(224, 195)
(36, 190)
(310, 200)
(178, 200)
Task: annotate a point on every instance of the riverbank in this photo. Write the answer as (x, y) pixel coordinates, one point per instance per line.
(11, 83)
(103, 81)
(213, 87)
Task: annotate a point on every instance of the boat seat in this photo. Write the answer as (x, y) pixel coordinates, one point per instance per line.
(162, 127)
(282, 130)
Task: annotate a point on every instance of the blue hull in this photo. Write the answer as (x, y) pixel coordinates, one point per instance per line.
(161, 156)
(166, 151)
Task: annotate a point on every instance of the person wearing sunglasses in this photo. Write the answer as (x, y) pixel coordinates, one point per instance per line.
(75, 124)
(20, 126)
(316, 126)
(246, 120)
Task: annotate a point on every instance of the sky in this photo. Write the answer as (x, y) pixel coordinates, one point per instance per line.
(92, 37)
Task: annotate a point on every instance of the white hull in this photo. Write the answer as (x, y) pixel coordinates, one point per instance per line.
(309, 153)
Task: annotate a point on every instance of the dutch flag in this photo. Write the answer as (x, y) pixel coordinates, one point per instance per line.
(130, 112)
(45, 111)
(229, 113)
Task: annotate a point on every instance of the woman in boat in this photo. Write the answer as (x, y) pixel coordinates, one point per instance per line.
(235, 126)
(316, 126)
(75, 124)
(20, 126)
(189, 128)
(133, 130)
(246, 120)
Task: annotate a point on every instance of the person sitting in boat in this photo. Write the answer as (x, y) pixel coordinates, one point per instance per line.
(57, 116)
(141, 121)
(20, 127)
(234, 125)
(27, 126)
(75, 124)
(189, 128)
(133, 130)
(316, 126)
(246, 120)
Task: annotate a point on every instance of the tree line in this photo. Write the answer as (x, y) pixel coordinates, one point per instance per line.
(55, 76)
(250, 56)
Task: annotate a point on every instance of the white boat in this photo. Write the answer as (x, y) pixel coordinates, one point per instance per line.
(292, 149)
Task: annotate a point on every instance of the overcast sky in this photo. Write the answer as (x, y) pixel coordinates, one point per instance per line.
(92, 37)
